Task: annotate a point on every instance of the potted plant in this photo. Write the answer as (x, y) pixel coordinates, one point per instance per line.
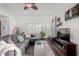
(42, 34)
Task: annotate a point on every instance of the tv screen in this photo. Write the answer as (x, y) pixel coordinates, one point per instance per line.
(64, 34)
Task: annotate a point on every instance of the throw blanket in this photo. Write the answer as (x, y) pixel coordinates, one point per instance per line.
(4, 47)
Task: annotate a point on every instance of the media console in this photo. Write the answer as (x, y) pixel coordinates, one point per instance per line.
(64, 48)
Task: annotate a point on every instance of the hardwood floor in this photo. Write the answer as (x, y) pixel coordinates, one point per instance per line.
(50, 44)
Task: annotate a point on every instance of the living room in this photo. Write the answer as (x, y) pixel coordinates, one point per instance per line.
(30, 22)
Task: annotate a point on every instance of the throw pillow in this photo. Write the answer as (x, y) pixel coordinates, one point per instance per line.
(20, 38)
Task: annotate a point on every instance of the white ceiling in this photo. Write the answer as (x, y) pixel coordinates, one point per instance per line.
(43, 8)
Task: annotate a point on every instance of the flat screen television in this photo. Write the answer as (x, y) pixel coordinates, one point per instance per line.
(64, 34)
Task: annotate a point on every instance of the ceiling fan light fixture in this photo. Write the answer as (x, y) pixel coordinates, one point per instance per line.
(29, 5)
(25, 7)
(34, 7)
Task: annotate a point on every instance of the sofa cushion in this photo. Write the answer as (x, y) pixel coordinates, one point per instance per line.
(26, 41)
(22, 47)
(23, 35)
(14, 38)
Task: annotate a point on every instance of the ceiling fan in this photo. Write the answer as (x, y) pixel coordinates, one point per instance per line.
(30, 5)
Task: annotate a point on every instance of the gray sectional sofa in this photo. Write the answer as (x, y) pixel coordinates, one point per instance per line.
(22, 45)
(13, 40)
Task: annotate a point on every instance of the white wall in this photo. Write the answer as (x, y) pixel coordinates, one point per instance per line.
(73, 24)
(22, 21)
(11, 18)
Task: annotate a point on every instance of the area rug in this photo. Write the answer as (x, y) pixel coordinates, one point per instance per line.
(30, 51)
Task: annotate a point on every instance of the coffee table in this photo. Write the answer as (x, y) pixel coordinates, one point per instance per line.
(42, 48)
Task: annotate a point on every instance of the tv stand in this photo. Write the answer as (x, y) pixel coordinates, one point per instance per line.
(63, 48)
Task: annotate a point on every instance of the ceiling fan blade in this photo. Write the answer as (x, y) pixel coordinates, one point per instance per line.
(34, 7)
(33, 3)
(25, 7)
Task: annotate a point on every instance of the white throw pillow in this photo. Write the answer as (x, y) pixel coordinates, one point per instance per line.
(20, 38)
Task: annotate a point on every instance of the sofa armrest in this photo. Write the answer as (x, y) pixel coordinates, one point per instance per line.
(26, 42)
(10, 53)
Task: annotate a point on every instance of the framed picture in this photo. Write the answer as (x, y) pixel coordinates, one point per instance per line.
(73, 12)
(58, 19)
(59, 24)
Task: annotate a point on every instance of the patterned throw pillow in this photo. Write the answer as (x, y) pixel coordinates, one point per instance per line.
(20, 38)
